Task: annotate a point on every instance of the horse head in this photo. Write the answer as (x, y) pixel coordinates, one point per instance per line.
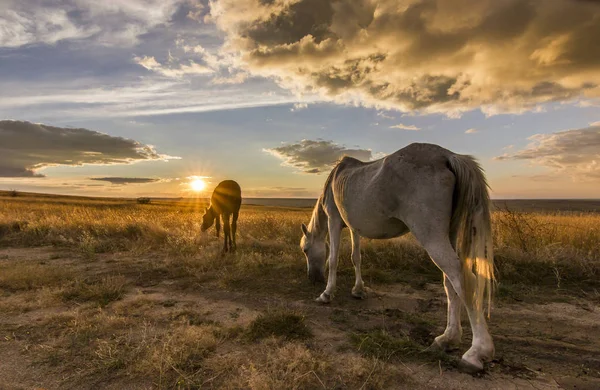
(207, 219)
(315, 250)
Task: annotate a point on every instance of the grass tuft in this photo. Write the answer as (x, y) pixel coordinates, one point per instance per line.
(287, 324)
(102, 292)
(178, 361)
(23, 275)
(291, 366)
(384, 346)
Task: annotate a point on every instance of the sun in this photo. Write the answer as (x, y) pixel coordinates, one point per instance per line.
(198, 185)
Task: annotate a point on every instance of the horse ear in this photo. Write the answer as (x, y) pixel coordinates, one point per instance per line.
(304, 230)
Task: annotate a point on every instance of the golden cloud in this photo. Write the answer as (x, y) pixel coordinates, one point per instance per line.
(420, 55)
(575, 153)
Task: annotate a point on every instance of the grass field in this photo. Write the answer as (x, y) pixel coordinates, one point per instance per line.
(109, 293)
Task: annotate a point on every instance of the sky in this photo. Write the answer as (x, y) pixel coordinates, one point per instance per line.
(128, 98)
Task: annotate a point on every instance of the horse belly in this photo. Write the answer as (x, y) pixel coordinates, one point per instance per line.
(389, 228)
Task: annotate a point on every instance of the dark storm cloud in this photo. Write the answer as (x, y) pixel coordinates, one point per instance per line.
(126, 180)
(27, 147)
(310, 156)
(572, 152)
(425, 55)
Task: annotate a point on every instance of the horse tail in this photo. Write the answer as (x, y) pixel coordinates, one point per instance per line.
(471, 225)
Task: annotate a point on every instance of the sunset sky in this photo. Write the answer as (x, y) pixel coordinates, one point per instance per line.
(139, 97)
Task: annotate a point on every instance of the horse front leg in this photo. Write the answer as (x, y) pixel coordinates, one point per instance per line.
(358, 289)
(227, 232)
(218, 225)
(335, 229)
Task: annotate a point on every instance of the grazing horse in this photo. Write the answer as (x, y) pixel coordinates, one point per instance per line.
(225, 201)
(439, 196)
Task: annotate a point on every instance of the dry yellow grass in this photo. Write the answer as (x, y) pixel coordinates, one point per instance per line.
(99, 226)
(552, 249)
(99, 304)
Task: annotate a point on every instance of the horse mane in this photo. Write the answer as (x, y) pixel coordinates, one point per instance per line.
(326, 190)
(318, 220)
(327, 186)
(319, 217)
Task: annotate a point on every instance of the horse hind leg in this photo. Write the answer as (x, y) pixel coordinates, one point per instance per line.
(450, 339)
(234, 229)
(442, 253)
(358, 289)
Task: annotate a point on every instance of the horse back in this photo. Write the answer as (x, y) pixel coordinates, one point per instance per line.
(227, 197)
(394, 186)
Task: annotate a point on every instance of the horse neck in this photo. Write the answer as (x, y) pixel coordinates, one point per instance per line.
(318, 221)
(211, 209)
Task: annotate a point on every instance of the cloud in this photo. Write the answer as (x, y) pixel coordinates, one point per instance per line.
(588, 103)
(423, 56)
(384, 115)
(595, 123)
(405, 127)
(108, 23)
(537, 178)
(316, 156)
(181, 70)
(471, 131)
(126, 180)
(197, 11)
(222, 64)
(575, 153)
(141, 98)
(28, 147)
(236, 78)
(149, 63)
(298, 107)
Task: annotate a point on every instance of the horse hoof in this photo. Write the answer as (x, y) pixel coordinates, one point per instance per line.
(440, 344)
(324, 298)
(359, 294)
(469, 367)
(436, 347)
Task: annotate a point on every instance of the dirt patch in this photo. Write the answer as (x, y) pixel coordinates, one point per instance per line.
(45, 345)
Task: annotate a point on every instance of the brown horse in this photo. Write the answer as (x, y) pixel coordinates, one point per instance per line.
(225, 201)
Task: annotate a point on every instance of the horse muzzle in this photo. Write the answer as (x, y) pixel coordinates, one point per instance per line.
(316, 276)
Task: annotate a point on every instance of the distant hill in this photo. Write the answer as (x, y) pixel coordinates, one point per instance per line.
(539, 205)
(574, 205)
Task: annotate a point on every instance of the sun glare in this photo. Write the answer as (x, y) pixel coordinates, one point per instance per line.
(198, 185)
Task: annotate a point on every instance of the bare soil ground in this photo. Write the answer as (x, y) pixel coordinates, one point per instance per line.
(68, 333)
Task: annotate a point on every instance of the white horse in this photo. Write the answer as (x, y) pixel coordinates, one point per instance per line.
(439, 196)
